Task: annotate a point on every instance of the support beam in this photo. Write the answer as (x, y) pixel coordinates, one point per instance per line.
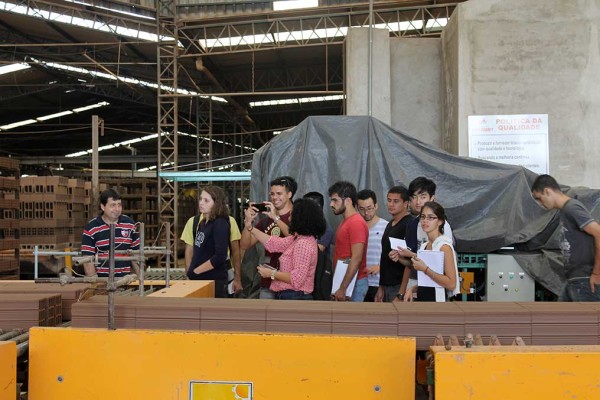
(168, 117)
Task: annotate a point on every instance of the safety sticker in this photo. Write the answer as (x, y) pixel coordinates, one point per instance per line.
(219, 390)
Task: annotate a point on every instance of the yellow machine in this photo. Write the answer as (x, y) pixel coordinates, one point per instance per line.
(69, 364)
(8, 370)
(517, 372)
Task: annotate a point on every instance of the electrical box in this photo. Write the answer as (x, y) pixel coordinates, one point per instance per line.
(507, 281)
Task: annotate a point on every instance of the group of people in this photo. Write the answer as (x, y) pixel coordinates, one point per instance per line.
(295, 236)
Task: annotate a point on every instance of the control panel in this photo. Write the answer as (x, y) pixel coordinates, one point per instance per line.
(507, 281)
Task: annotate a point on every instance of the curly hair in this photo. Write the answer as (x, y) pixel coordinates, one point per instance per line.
(307, 218)
(220, 209)
(345, 190)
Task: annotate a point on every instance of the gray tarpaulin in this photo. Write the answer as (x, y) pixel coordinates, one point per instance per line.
(489, 205)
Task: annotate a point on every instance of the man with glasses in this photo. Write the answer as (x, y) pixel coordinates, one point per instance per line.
(421, 190)
(276, 223)
(350, 240)
(367, 208)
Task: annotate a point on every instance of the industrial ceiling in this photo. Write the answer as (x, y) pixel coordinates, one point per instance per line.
(91, 53)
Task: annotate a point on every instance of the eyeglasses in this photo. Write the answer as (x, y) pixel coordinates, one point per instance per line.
(428, 217)
(368, 209)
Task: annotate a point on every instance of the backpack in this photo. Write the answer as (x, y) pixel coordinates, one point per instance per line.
(323, 277)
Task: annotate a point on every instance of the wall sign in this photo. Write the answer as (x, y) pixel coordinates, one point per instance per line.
(510, 139)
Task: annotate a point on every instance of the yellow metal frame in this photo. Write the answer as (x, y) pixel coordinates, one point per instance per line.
(8, 370)
(69, 364)
(529, 372)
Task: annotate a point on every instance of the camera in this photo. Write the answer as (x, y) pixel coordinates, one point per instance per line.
(261, 207)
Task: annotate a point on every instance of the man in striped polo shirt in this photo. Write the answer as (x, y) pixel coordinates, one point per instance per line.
(367, 208)
(96, 236)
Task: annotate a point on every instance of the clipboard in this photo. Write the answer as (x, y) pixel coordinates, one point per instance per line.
(435, 262)
(338, 276)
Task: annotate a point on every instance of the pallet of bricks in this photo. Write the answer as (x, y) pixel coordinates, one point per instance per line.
(76, 211)
(9, 218)
(45, 213)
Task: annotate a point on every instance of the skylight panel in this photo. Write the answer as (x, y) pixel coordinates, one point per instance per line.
(294, 4)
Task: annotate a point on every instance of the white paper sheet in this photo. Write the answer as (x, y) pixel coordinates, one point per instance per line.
(435, 261)
(395, 243)
(338, 276)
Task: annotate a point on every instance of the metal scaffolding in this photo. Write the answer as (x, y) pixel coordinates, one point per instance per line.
(308, 30)
(168, 119)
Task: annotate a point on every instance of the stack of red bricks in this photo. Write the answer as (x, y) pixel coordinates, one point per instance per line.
(53, 212)
(44, 214)
(68, 294)
(76, 212)
(535, 323)
(22, 311)
(9, 218)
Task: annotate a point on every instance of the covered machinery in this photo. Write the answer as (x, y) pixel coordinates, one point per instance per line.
(489, 205)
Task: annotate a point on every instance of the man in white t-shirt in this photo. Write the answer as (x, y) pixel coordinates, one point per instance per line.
(367, 208)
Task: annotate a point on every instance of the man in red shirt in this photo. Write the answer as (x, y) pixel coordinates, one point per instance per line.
(350, 240)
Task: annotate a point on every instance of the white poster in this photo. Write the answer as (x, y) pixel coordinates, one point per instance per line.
(511, 139)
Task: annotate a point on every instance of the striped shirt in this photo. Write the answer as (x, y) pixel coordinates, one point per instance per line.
(95, 239)
(374, 248)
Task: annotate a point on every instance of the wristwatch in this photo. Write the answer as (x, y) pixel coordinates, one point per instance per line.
(277, 218)
(273, 274)
(400, 296)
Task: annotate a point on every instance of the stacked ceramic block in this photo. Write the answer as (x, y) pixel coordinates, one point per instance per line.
(69, 294)
(535, 323)
(9, 219)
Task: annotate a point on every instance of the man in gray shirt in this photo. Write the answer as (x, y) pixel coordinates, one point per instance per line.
(579, 240)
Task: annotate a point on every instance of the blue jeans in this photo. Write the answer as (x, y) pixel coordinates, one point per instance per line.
(360, 290)
(290, 294)
(578, 289)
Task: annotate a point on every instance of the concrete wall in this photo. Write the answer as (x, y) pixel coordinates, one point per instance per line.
(416, 88)
(528, 57)
(357, 67)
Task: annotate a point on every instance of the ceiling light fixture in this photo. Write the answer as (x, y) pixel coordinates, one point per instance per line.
(17, 124)
(7, 69)
(51, 116)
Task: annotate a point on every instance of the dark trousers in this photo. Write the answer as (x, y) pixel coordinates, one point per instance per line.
(221, 289)
(370, 297)
(289, 294)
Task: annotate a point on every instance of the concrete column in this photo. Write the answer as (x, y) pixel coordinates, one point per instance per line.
(416, 88)
(357, 67)
(528, 57)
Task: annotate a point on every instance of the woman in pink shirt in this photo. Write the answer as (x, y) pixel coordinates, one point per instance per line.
(294, 280)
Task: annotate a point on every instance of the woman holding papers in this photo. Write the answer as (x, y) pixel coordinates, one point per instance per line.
(294, 280)
(436, 260)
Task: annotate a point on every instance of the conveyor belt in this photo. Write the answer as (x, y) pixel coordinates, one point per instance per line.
(535, 323)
